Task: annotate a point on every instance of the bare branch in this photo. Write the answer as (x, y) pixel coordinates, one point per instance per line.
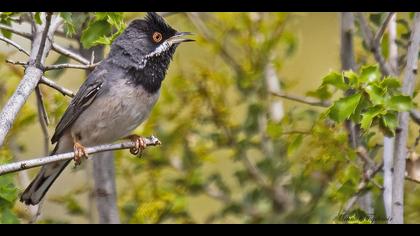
(301, 99)
(402, 134)
(43, 119)
(415, 116)
(54, 85)
(73, 66)
(389, 142)
(361, 188)
(68, 53)
(412, 180)
(27, 84)
(208, 35)
(368, 38)
(38, 58)
(23, 165)
(15, 31)
(19, 63)
(13, 44)
(382, 28)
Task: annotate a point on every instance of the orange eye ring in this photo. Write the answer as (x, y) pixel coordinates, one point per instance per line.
(157, 37)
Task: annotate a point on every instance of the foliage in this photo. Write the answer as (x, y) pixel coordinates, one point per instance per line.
(225, 157)
(374, 101)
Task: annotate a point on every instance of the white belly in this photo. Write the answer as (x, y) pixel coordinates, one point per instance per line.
(113, 116)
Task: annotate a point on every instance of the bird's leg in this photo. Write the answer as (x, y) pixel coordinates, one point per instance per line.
(140, 144)
(79, 152)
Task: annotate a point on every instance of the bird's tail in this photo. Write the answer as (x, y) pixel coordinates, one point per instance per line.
(37, 189)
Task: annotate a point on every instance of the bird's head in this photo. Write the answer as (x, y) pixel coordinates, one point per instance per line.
(149, 40)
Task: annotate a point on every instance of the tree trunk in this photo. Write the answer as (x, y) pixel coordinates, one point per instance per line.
(104, 191)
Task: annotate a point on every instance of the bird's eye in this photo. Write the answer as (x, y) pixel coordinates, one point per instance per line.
(157, 37)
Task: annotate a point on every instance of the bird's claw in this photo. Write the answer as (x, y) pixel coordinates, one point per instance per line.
(79, 152)
(140, 144)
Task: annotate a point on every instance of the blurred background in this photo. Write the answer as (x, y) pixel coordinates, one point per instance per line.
(231, 152)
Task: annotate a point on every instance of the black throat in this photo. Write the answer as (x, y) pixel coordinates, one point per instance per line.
(147, 72)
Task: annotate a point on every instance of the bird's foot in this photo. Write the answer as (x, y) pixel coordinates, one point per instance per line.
(79, 152)
(140, 144)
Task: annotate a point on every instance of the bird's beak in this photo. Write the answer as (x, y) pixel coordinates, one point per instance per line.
(177, 38)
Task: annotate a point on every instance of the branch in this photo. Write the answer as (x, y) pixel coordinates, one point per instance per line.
(402, 135)
(301, 99)
(208, 35)
(14, 44)
(415, 116)
(68, 53)
(30, 80)
(18, 32)
(46, 81)
(54, 85)
(23, 165)
(38, 59)
(389, 142)
(382, 28)
(43, 118)
(74, 66)
(373, 46)
(362, 187)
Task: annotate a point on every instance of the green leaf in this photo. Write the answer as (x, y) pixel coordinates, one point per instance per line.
(376, 94)
(369, 115)
(364, 103)
(343, 108)
(391, 82)
(322, 93)
(389, 123)
(7, 216)
(38, 18)
(335, 79)
(94, 32)
(370, 74)
(294, 144)
(400, 103)
(69, 28)
(351, 76)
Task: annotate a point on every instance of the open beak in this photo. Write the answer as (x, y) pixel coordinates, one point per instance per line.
(177, 38)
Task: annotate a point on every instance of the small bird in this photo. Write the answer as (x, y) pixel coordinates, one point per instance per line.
(117, 97)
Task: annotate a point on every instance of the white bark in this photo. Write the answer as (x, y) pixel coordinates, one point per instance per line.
(27, 164)
(30, 80)
(389, 142)
(400, 153)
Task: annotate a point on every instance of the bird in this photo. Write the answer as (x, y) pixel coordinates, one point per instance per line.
(115, 99)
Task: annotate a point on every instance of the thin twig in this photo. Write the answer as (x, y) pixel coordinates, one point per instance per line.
(43, 119)
(301, 99)
(412, 180)
(14, 44)
(46, 81)
(368, 38)
(28, 83)
(73, 66)
(415, 116)
(363, 185)
(59, 49)
(382, 28)
(207, 34)
(54, 85)
(23, 165)
(19, 63)
(15, 31)
(43, 39)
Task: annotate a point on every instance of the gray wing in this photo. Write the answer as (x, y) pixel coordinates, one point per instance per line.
(84, 97)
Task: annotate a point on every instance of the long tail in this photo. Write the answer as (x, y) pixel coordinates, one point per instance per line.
(37, 189)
